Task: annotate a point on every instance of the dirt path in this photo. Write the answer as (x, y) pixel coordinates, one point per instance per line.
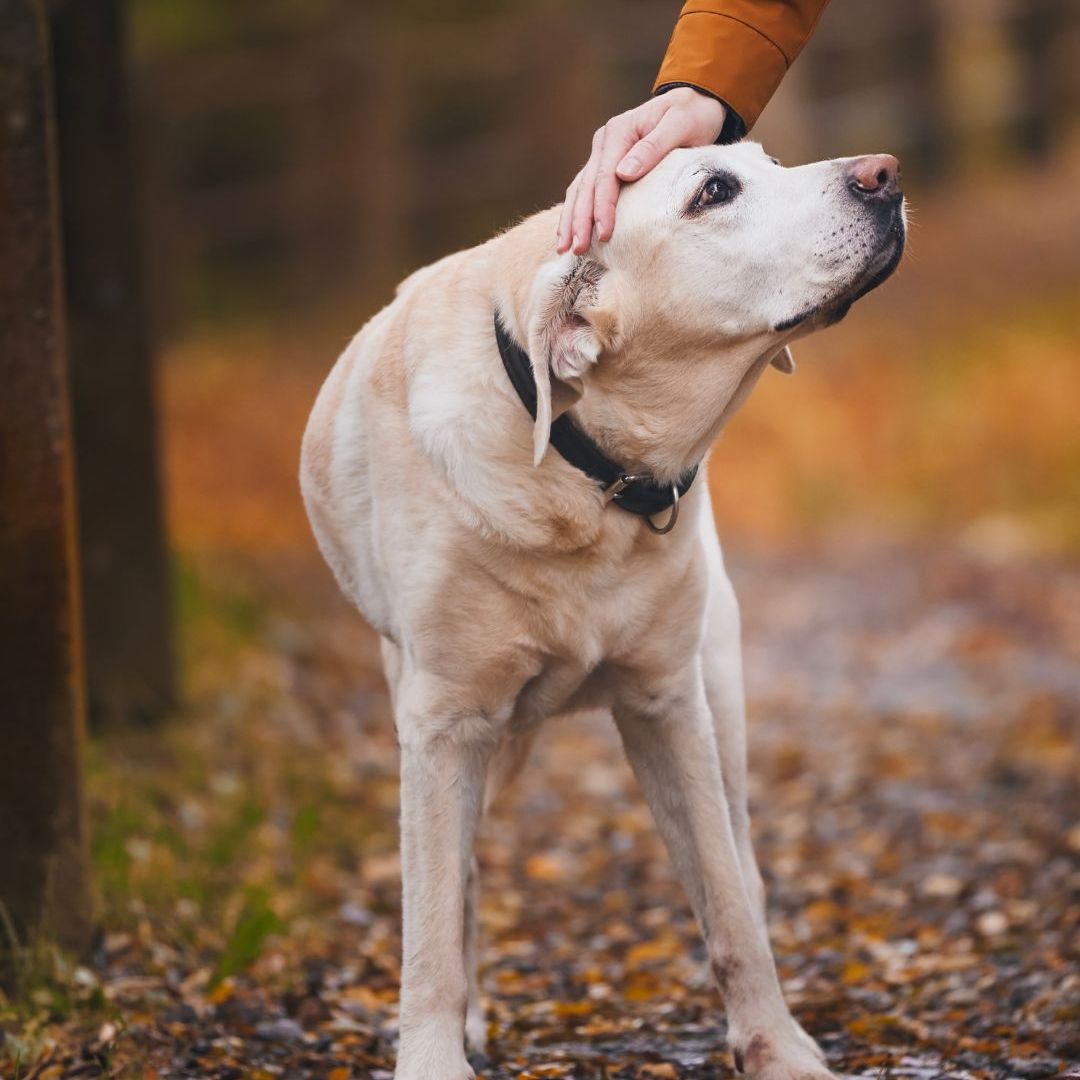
(915, 749)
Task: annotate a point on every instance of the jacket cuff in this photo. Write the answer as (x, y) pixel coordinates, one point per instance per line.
(726, 58)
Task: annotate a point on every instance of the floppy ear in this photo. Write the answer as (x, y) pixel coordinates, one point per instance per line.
(567, 332)
(784, 361)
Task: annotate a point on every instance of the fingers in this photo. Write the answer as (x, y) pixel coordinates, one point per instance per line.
(582, 226)
(643, 156)
(626, 148)
(619, 135)
(563, 234)
(592, 196)
(575, 227)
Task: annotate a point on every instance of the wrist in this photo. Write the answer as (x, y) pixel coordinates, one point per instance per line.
(709, 112)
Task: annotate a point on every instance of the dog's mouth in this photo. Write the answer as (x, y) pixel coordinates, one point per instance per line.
(879, 269)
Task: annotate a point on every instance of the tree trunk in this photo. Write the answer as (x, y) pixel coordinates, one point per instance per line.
(43, 867)
(124, 565)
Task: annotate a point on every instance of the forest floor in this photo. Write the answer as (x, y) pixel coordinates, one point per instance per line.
(915, 753)
(902, 532)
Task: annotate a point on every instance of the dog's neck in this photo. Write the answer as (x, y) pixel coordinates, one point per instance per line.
(657, 407)
(657, 401)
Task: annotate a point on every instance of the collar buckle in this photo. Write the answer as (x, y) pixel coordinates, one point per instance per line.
(623, 481)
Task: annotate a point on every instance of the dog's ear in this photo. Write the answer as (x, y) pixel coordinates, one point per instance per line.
(567, 332)
(784, 361)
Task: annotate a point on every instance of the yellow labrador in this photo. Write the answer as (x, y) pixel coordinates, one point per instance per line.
(499, 471)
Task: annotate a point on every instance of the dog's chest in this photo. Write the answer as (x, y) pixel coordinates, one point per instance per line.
(581, 616)
(578, 640)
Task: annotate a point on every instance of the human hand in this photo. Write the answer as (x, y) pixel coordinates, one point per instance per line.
(625, 149)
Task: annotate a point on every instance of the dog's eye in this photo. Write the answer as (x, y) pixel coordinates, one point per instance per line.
(718, 189)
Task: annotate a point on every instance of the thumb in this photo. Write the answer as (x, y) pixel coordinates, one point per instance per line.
(650, 150)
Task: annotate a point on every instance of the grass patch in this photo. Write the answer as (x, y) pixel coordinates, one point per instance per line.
(228, 823)
(254, 923)
(39, 987)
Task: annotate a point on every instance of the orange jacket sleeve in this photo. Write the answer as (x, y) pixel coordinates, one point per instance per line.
(737, 50)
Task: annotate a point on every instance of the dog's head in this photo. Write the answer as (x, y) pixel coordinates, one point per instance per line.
(743, 246)
(720, 251)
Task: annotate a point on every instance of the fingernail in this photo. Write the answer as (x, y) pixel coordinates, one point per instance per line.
(630, 167)
(575, 242)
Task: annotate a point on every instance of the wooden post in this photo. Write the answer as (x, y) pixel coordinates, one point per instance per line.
(43, 866)
(124, 566)
(122, 543)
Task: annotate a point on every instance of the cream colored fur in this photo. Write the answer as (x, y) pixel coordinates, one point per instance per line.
(506, 589)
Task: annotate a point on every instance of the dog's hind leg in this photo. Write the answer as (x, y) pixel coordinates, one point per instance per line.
(475, 1022)
(721, 663)
(391, 662)
(508, 761)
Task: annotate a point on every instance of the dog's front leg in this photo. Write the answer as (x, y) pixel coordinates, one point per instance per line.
(443, 769)
(667, 729)
(721, 663)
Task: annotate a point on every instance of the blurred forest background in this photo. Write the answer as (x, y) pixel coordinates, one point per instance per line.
(902, 520)
(299, 159)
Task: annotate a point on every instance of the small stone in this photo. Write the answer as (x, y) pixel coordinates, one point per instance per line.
(117, 943)
(942, 885)
(992, 923)
(354, 914)
(281, 1030)
(1033, 1068)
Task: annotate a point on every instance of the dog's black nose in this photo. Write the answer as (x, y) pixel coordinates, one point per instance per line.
(876, 177)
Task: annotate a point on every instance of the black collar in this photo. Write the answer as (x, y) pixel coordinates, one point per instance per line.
(638, 494)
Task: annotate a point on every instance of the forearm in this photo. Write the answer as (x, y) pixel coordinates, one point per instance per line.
(737, 50)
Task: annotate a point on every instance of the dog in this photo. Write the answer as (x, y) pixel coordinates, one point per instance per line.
(499, 471)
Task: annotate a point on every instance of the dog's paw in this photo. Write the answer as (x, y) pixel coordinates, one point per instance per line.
(433, 1050)
(795, 1056)
(442, 1071)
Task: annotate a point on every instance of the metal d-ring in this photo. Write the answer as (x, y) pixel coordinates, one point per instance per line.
(670, 523)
